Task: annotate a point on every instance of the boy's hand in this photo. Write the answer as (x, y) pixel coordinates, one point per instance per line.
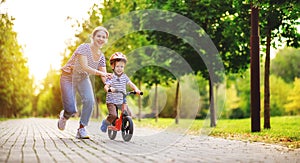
(138, 92)
(112, 89)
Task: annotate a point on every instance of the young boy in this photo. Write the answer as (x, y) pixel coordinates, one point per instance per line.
(117, 83)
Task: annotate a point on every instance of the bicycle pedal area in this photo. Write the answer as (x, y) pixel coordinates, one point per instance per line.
(113, 128)
(39, 140)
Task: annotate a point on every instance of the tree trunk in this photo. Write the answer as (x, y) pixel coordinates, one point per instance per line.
(267, 82)
(156, 104)
(212, 105)
(176, 104)
(255, 73)
(216, 99)
(96, 113)
(140, 103)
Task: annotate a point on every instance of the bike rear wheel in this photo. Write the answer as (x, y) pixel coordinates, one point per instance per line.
(127, 128)
(111, 134)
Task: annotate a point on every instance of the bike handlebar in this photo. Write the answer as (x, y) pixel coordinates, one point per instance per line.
(134, 92)
(128, 93)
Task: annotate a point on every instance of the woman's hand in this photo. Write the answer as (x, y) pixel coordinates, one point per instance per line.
(109, 75)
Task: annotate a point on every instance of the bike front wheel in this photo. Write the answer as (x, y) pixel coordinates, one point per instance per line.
(127, 128)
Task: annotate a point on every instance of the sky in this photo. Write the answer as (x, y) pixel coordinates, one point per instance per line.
(42, 29)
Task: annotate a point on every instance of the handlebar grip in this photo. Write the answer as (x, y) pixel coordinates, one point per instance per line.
(134, 92)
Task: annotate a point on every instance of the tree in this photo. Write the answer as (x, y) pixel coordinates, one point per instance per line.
(224, 22)
(16, 87)
(230, 22)
(279, 20)
(49, 99)
(255, 70)
(286, 65)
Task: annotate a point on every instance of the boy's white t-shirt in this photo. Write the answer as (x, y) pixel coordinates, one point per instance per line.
(119, 83)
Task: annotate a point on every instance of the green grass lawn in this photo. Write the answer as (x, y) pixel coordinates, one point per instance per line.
(284, 130)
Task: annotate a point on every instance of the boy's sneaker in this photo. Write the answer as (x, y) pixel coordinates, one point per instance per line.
(61, 124)
(104, 126)
(82, 134)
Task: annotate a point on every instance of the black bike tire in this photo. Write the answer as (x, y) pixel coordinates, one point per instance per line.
(111, 134)
(127, 128)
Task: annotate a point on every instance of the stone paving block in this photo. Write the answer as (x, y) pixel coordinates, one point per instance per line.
(39, 140)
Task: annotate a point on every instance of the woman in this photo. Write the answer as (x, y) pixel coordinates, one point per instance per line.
(86, 60)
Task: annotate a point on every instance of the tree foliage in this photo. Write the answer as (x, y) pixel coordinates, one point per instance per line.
(226, 22)
(293, 105)
(282, 19)
(279, 19)
(49, 103)
(286, 64)
(16, 88)
(280, 90)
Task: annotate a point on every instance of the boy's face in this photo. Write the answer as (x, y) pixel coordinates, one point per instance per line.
(119, 67)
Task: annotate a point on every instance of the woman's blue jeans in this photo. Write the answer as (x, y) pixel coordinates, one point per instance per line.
(70, 83)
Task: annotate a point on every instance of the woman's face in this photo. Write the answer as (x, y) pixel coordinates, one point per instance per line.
(119, 67)
(99, 38)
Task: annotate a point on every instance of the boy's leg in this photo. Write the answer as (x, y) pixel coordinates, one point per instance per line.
(112, 113)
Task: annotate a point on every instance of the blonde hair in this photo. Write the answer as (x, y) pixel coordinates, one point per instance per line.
(100, 28)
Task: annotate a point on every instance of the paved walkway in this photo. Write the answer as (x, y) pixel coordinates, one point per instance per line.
(39, 140)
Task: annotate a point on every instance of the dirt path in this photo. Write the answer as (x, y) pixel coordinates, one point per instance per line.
(39, 140)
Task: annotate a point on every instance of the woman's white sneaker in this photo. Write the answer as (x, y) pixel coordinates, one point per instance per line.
(61, 124)
(82, 134)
